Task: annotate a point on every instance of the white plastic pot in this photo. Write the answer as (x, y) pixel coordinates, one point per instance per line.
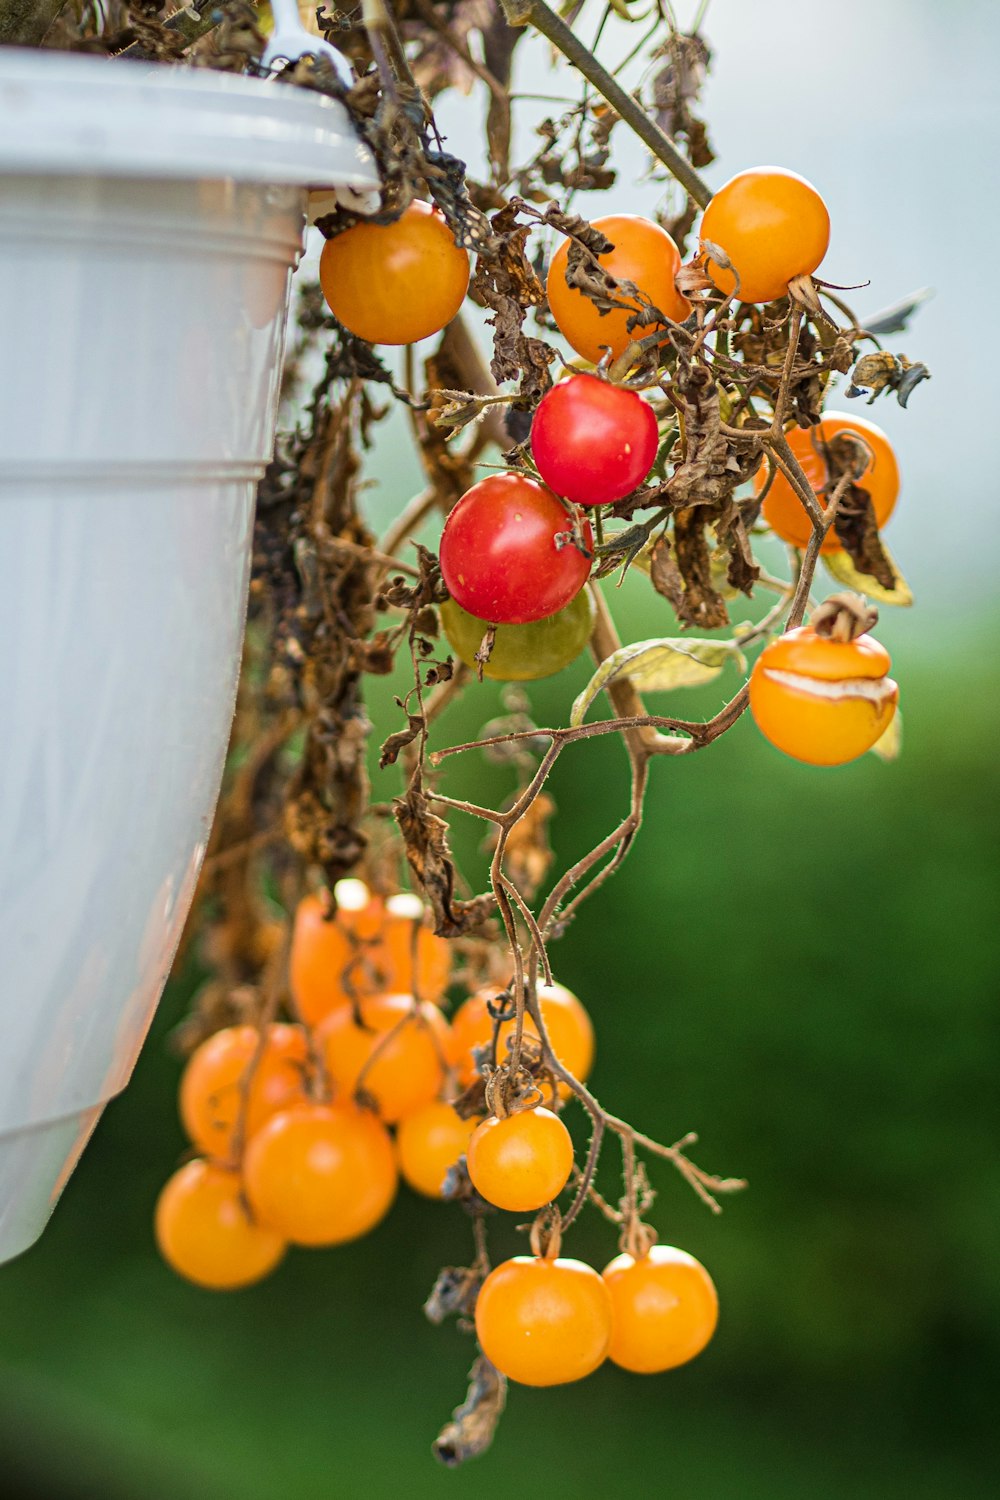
(149, 221)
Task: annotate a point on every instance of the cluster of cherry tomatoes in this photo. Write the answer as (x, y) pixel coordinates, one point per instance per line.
(516, 550)
(303, 1129)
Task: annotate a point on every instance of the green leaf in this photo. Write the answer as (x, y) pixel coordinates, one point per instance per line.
(658, 666)
(841, 568)
(889, 746)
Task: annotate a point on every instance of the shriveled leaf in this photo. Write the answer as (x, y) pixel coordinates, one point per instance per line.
(508, 285)
(840, 567)
(453, 1294)
(891, 743)
(682, 573)
(473, 1424)
(856, 529)
(658, 666)
(389, 753)
(425, 838)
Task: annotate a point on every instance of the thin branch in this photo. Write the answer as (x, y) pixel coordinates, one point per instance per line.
(536, 13)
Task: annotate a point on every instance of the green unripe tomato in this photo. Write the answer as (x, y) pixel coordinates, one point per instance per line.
(522, 653)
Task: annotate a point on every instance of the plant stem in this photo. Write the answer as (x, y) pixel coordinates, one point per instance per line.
(536, 13)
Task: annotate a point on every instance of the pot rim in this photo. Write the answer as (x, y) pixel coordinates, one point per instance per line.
(72, 114)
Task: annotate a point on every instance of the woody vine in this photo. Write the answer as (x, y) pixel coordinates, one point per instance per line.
(690, 417)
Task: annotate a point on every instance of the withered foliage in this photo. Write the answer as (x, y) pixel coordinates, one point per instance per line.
(330, 608)
(425, 840)
(473, 1425)
(507, 284)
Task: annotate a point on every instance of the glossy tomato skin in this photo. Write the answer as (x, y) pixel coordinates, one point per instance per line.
(204, 1232)
(544, 1322)
(783, 510)
(665, 1309)
(644, 254)
(520, 1162)
(522, 653)
(395, 283)
(773, 225)
(593, 442)
(499, 554)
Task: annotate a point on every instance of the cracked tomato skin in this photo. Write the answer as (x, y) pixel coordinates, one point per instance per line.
(783, 510)
(644, 254)
(822, 701)
(395, 283)
(499, 555)
(522, 653)
(593, 442)
(773, 225)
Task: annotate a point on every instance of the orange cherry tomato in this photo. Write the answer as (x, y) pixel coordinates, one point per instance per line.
(429, 1142)
(773, 225)
(544, 1322)
(397, 1054)
(520, 1162)
(568, 1024)
(395, 283)
(783, 510)
(664, 1309)
(211, 1092)
(823, 701)
(205, 1234)
(367, 948)
(644, 254)
(406, 936)
(321, 1174)
(332, 958)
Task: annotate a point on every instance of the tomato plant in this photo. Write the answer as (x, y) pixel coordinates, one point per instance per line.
(664, 1309)
(522, 1161)
(511, 553)
(204, 1231)
(320, 1174)
(395, 283)
(393, 1049)
(867, 453)
(641, 253)
(566, 1022)
(822, 700)
(522, 653)
(429, 1143)
(542, 1321)
(224, 1068)
(593, 442)
(773, 226)
(709, 421)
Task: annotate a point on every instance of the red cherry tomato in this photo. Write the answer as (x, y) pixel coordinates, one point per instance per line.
(593, 442)
(500, 556)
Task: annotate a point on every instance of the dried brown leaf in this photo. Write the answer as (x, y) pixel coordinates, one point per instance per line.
(473, 1425)
(425, 838)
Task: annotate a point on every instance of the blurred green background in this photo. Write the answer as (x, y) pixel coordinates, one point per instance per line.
(795, 963)
(800, 965)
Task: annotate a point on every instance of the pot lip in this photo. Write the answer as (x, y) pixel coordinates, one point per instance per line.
(72, 114)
